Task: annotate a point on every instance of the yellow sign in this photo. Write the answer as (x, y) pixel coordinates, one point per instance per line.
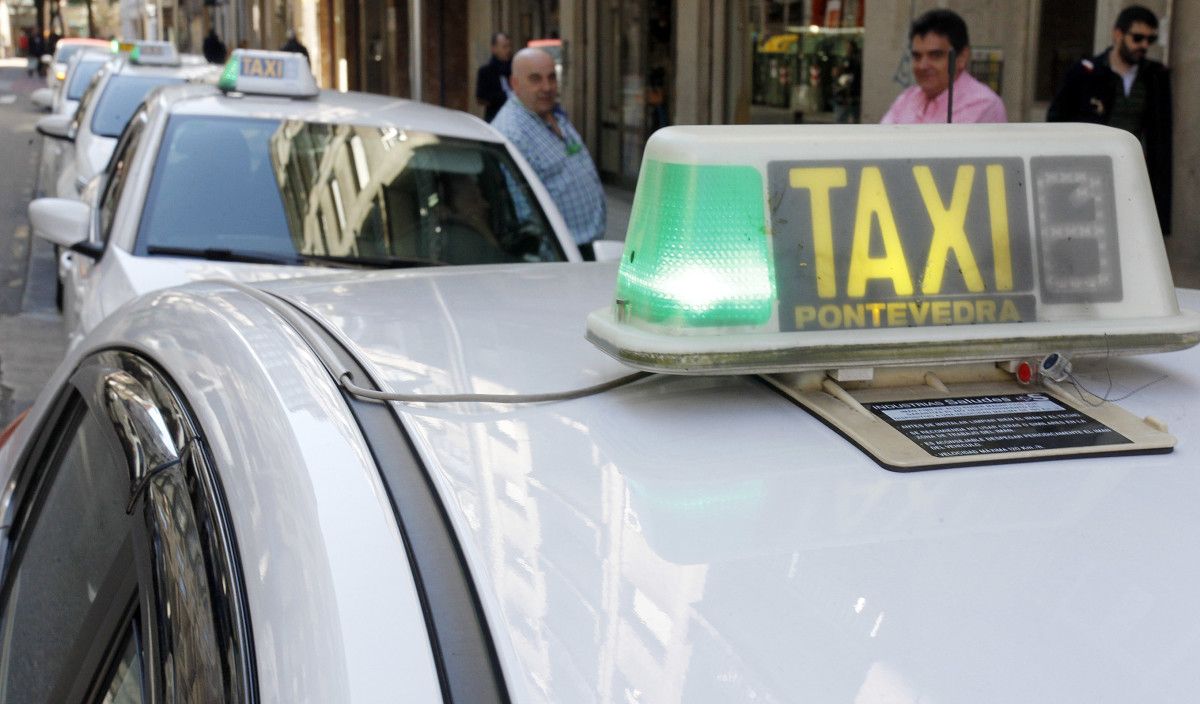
(901, 242)
(258, 67)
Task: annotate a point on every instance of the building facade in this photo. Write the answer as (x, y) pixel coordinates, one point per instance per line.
(629, 67)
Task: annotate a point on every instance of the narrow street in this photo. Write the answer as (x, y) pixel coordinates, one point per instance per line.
(31, 337)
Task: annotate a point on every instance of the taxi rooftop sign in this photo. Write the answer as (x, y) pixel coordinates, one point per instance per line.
(148, 52)
(268, 73)
(782, 247)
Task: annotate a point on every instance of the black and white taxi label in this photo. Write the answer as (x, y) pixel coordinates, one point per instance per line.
(984, 425)
(901, 242)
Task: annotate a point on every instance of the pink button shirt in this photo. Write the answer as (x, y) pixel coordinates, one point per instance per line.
(973, 102)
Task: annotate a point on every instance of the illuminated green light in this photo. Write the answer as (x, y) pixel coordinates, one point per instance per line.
(115, 46)
(697, 254)
(229, 77)
(136, 55)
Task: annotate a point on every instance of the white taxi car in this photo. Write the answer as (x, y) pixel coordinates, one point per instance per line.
(64, 51)
(83, 66)
(267, 177)
(62, 103)
(109, 101)
(428, 486)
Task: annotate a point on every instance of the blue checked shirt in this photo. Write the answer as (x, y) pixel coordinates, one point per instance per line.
(562, 163)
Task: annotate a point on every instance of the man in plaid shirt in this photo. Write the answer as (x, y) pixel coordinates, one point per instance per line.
(535, 123)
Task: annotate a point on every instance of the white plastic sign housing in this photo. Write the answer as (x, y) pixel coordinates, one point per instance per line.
(775, 248)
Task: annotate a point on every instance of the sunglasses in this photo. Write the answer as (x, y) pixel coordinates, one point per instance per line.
(1139, 38)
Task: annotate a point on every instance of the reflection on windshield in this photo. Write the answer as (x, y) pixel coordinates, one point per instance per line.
(362, 196)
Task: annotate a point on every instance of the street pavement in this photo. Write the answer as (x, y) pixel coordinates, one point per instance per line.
(31, 336)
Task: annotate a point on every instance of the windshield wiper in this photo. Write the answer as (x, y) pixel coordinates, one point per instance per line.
(384, 262)
(225, 255)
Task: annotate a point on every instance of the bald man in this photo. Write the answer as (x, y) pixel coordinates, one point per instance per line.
(535, 123)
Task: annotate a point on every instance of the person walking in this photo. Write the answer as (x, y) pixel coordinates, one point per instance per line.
(536, 124)
(214, 48)
(1122, 88)
(940, 49)
(25, 44)
(491, 80)
(37, 47)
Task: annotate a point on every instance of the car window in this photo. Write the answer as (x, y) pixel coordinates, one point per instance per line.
(319, 193)
(123, 684)
(121, 98)
(62, 561)
(118, 172)
(86, 100)
(84, 71)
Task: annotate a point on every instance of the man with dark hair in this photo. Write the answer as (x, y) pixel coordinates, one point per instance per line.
(1120, 87)
(941, 52)
(491, 82)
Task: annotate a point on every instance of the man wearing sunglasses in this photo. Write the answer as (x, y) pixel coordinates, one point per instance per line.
(1122, 88)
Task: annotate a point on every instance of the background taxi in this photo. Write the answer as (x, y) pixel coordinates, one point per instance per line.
(106, 106)
(62, 103)
(267, 178)
(64, 51)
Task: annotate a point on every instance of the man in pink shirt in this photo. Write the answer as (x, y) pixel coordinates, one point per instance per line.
(935, 37)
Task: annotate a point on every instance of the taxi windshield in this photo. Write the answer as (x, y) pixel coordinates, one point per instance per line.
(121, 98)
(303, 192)
(84, 70)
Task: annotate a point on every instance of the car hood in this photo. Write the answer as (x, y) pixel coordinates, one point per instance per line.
(143, 274)
(703, 539)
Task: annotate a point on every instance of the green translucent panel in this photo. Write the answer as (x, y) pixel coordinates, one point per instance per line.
(697, 254)
(136, 55)
(229, 76)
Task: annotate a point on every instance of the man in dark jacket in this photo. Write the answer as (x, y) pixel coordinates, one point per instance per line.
(1120, 87)
(214, 48)
(491, 82)
(293, 44)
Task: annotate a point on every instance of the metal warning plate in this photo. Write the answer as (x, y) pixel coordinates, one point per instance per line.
(914, 426)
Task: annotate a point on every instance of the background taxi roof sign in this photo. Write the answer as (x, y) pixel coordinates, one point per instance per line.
(268, 73)
(772, 248)
(152, 53)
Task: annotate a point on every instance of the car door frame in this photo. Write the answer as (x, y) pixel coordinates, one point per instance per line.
(149, 419)
(82, 275)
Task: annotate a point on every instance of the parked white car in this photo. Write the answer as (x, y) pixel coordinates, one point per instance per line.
(62, 103)
(112, 97)
(59, 67)
(268, 177)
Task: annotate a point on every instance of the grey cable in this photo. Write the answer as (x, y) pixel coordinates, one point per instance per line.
(347, 382)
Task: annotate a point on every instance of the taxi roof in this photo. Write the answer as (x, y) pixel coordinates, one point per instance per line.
(123, 66)
(699, 538)
(705, 539)
(328, 106)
